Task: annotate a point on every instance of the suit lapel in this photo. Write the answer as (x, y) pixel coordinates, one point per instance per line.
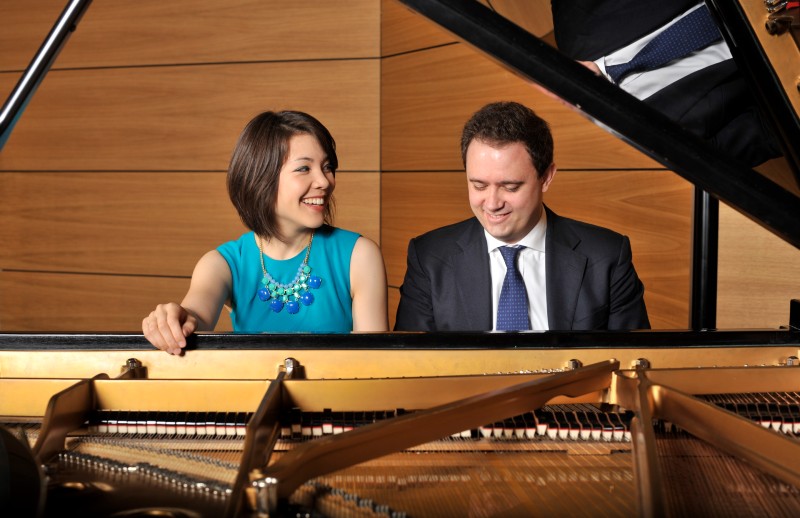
(473, 280)
(564, 271)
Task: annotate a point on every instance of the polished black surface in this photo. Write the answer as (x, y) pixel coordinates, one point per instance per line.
(705, 254)
(753, 61)
(413, 341)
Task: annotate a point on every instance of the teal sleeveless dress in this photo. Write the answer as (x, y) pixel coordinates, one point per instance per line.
(330, 312)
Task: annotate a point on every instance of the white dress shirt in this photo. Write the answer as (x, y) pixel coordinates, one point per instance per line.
(644, 84)
(532, 268)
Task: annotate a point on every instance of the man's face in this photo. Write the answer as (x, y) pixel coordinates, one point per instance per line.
(505, 192)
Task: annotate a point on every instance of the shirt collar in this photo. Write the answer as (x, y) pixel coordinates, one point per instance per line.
(535, 239)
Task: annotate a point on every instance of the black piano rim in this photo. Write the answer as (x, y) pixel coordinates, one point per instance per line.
(415, 341)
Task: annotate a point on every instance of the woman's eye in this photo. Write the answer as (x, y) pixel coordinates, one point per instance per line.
(302, 169)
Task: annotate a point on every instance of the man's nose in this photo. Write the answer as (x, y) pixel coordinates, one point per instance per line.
(494, 199)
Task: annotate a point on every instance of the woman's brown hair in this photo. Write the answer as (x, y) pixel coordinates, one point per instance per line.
(259, 155)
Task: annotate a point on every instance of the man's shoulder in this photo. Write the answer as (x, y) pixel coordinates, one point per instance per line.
(587, 234)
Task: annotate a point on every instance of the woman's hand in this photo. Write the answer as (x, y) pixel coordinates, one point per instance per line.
(169, 324)
(167, 327)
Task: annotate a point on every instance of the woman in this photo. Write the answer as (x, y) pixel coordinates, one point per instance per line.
(293, 272)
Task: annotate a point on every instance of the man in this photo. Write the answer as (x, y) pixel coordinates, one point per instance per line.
(517, 265)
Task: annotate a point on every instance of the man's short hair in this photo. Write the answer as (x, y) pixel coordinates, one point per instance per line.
(502, 123)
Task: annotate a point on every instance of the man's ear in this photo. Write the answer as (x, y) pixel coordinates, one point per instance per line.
(548, 176)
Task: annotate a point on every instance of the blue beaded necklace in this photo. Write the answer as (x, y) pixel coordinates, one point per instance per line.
(293, 293)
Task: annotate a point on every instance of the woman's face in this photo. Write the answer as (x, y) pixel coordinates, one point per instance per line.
(305, 186)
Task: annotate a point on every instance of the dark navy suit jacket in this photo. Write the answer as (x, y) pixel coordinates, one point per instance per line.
(591, 281)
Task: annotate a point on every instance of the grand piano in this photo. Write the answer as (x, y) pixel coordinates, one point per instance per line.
(653, 423)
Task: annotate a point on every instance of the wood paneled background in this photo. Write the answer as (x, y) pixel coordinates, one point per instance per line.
(112, 184)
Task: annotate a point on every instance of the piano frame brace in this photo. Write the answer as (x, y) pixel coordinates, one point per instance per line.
(275, 484)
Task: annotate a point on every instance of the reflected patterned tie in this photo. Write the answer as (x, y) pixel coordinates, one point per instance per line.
(512, 309)
(692, 32)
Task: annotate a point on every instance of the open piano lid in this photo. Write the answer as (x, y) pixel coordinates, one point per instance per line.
(772, 205)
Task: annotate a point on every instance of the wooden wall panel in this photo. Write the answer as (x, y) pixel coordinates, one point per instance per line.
(651, 207)
(114, 174)
(138, 223)
(428, 96)
(535, 16)
(188, 118)
(147, 32)
(134, 223)
(403, 30)
(758, 274)
(654, 209)
(358, 197)
(25, 28)
(75, 303)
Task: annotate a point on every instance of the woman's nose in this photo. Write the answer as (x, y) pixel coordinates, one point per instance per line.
(321, 179)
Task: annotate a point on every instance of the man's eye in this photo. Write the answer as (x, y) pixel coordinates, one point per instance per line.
(478, 187)
(513, 188)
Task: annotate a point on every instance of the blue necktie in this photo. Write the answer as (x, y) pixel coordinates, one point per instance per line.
(512, 309)
(692, 32)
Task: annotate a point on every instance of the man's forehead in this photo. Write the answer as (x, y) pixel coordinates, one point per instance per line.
(498, 150)
(494, 144)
